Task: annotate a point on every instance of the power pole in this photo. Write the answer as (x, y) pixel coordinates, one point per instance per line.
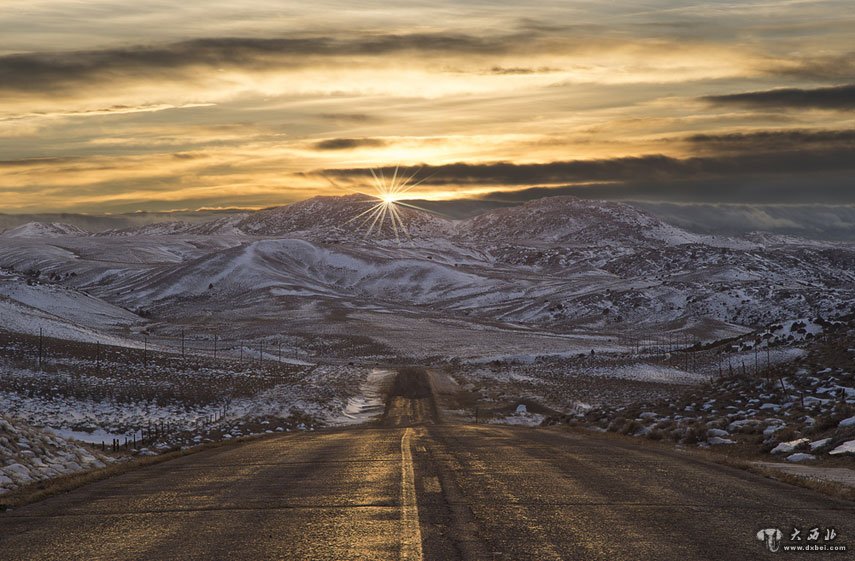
(41, 348)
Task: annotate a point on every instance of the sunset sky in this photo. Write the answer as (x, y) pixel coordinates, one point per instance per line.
(109, 106)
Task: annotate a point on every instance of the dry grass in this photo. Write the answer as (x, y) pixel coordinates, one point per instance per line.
(41, 490)
(828, 488)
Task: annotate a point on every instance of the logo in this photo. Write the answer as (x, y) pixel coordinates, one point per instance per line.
(771, 537)
(808, 539)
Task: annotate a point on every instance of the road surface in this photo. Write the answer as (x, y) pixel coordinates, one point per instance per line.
(414, 489)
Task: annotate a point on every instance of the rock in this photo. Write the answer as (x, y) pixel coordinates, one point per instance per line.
(819, 443)
(800, 457)
(787, 447)
(18, 472)
(736, 425)
(845, 448)
(718, 441)
(772, 429)
(718, 432)
(850, 422)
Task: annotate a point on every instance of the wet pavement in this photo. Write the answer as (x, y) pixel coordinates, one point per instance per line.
(427, 491)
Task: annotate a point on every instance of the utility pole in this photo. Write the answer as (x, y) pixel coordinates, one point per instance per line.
(41, 348)
(756, 360)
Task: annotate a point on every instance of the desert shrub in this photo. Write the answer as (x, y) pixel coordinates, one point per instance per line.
(655, 434)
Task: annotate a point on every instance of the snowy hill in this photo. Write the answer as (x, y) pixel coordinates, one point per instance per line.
(561, 264)
(348, 217)
(568, 220)
(41, 230)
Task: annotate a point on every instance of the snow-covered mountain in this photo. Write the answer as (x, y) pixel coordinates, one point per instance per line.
(348, 217)
(557, 264)
(41, 230)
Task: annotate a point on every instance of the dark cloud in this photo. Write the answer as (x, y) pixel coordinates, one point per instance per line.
(522, 70)
(348, 143)
(834, 97)
(649, 168)
(832, 68)
(766, 141)
(31, 162)
(31, 72)
(350, 117)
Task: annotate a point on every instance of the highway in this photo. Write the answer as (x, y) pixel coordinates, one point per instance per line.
(413, 488)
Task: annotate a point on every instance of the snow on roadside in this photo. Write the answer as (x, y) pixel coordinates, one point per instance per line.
(28, 454)
(369, 403)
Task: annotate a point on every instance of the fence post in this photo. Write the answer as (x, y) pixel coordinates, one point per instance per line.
(41, 348)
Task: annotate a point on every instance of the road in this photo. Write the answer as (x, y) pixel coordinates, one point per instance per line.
(415, 489)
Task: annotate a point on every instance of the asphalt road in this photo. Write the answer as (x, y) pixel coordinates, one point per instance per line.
(425, 492)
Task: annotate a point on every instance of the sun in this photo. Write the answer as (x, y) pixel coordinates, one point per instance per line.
(390, 194)
(389, 198)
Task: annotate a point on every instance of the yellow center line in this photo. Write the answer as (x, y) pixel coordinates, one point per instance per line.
(411, 533)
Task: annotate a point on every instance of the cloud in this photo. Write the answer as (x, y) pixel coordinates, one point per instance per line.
(522, 70)
(771, 141)
(348, 143)
(835, 67)
(834, 97)
(350, 117)
(649, 168)
(37, 72)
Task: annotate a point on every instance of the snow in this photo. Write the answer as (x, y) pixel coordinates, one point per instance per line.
(850, 422)
(787, 447)
(369, 403)
(819, 443)
(96, 436)
(847, 447)
(28, 454)
(800, 457)
(41, 230)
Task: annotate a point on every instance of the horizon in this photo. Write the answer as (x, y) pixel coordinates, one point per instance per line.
(137, 109)
(810, 221)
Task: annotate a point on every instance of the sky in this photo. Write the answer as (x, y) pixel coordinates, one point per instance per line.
(112, 107)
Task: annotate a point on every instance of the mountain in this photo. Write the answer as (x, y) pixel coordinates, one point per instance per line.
(42, 230)
(559, 264)
(567, 220)
(349, 216)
